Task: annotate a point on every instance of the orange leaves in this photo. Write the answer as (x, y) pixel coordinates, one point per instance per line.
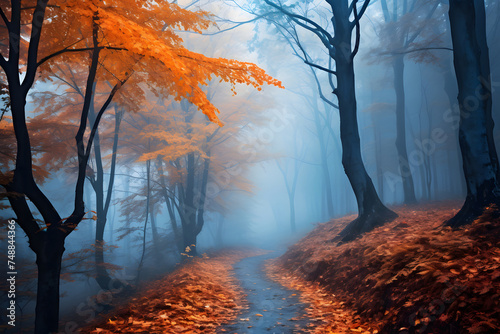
(196, 298)
(141, 37)
(412, 268)
(327, 312)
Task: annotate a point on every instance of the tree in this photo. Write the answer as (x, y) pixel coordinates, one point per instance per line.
(342, 51)
(71, 78)
(400, 35)
(145, 43)
(286, 31)
(291, 186)
(189, 154)
(472, 68)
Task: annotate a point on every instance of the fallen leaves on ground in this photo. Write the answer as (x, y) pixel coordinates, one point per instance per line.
(196, 298)
(327, 314)
(410, 275)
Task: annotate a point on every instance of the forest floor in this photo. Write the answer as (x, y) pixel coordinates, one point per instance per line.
(225, 293)
(198, 297)
(412, 275)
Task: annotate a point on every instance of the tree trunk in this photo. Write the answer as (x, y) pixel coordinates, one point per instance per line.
(189, 240)
(219, 236)
(188, 214)
(480, 161)
(102, 204)
(404, 165)
(378, 154)
(293, 226)
(49, 250)
(102, 275)
(154, 232)
(148, 198)
(169, 201)
(450, 88)
(371, 211)
(324, 163)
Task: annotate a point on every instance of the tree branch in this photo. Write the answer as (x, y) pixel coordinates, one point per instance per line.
(363, 9)
(66, 49)
(320, 90)
(238, 24)
(323, 35)
(3, 62)
(4, 18)
(23, 213)
(418, 50)
(320, 67)
(36, 31)
(356, 24)
(118, 119)
(79, 206)
(429, 15)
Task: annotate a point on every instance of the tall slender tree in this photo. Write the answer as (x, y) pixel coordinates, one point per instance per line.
(342, 49)
(399, 38)
(472, 68)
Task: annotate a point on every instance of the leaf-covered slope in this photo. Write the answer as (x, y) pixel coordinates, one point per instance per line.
(412, 275)
(196, 298)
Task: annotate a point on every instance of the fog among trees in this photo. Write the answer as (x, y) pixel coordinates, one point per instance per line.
(147, 138)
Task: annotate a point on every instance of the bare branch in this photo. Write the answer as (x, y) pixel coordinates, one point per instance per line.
(25, 218)
(415, 35)
(363, 9)
(320, 90)
(306, 23)
(237, 24)
(320, 67)
(3, 62)
(356, 24)
(4, 17)
(36, 31)
(418, 50)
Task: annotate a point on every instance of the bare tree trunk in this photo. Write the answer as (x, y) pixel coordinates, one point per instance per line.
(103, 202)
(49, 251)
(404, 165)
(148, 199)
(371, 211)
(450, 88)
(170, 202)
(471, 61)
(324, 163)
(188, 214)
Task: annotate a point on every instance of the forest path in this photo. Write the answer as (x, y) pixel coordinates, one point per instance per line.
(281, 310)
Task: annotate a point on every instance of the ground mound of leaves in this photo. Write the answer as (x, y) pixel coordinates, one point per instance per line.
(196, 298)
(412, 275)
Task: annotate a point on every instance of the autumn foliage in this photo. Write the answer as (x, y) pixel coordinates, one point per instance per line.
(197, 298)
(409, 276)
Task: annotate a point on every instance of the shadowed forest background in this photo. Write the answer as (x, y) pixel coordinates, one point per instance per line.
(161, 158)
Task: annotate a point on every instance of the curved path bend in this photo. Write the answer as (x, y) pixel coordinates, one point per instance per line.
(271, 307)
